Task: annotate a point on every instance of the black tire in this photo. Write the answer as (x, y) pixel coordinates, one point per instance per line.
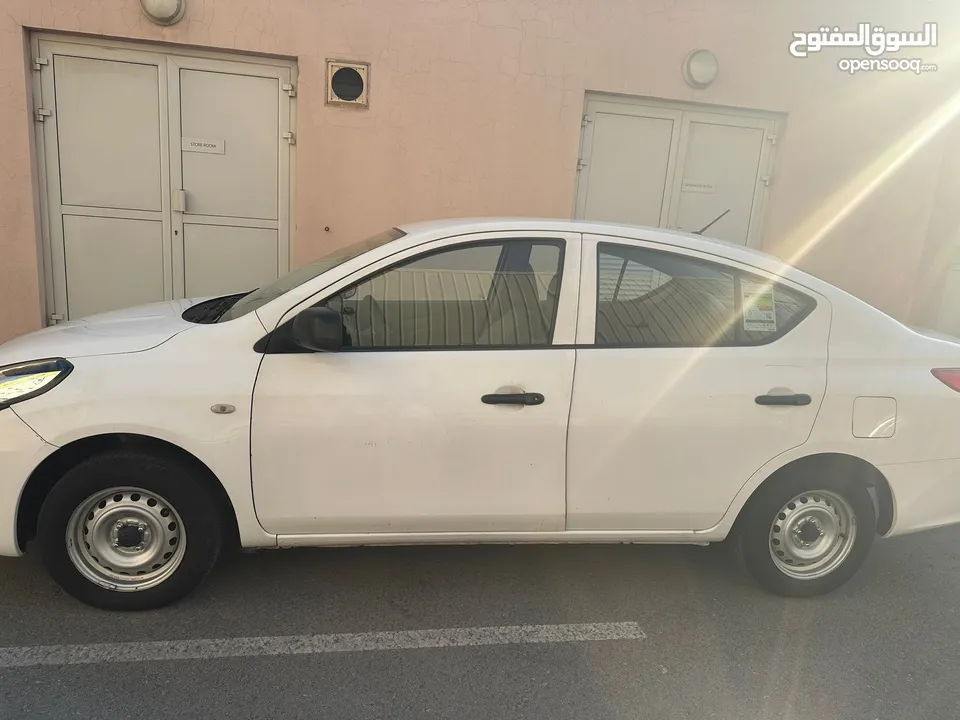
(752, 534)
(168, 477)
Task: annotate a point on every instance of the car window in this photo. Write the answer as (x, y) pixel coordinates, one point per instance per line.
(651, 298)
(261, 296)
(492, 294)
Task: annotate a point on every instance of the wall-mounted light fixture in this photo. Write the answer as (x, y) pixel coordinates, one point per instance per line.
(164, 12)
(700, 68)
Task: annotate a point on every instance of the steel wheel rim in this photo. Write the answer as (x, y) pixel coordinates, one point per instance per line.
(812, 535)
(126, 539)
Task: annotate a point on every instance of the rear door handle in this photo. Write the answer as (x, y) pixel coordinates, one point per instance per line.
(796, 399)
(513, 399)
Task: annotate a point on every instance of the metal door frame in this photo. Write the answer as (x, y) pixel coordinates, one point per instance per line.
(54, 279)
(43, 45)
(767, 127)
(601, 105)
(769, 123)
(285, 148)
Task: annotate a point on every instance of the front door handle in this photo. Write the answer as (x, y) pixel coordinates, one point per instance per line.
(513, 399)
(795, 399)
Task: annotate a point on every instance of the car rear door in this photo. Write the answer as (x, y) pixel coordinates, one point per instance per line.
(691, 374)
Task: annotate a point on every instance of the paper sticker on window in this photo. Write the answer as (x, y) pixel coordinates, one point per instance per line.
(759, 310)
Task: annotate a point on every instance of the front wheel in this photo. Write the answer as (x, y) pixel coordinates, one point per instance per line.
(801, 538)
(129, 531)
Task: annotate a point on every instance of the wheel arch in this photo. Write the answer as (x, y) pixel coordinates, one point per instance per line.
(841, 465)
(55, 465)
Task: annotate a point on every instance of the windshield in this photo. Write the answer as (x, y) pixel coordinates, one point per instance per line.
(261, 296)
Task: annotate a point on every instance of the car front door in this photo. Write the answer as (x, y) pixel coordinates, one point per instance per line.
(447, 409)
(691, 374)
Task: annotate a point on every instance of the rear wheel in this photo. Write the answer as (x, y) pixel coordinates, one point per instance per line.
(803, 536)
(130, 531)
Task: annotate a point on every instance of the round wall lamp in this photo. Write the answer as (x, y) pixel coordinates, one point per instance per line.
(700, 68)
(164, 12)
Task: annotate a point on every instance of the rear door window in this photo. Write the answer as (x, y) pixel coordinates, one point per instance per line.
(652, 298)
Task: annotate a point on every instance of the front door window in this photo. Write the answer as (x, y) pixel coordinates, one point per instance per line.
(490, 294)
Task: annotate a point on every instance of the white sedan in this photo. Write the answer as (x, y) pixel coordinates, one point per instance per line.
(505, 381)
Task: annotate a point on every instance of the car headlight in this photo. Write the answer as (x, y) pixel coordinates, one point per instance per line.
(26, 380)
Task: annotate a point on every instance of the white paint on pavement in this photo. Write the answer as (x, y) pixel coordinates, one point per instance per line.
(208, 649)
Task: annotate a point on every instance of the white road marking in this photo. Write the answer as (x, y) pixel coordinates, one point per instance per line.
(208, 649)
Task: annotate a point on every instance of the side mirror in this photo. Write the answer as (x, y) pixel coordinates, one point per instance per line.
(319, 329)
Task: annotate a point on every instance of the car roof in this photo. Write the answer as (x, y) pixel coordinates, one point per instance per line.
(675, 238)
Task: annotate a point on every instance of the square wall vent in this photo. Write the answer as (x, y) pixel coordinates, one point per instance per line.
(348, 83)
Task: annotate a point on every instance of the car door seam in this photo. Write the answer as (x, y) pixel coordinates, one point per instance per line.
(573, 384)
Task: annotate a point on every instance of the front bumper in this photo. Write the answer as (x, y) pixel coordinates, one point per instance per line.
(926, 495)
(21, 450)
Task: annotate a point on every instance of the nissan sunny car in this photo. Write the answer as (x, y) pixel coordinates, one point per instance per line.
(507, 381)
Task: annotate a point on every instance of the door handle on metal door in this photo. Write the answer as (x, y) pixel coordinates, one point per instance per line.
(796, 399)
(513, 399)
(179, 199)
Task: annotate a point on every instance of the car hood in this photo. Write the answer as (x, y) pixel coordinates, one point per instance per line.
(111, 333)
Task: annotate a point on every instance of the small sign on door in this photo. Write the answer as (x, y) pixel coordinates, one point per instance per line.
(697, 187)
(202, 145)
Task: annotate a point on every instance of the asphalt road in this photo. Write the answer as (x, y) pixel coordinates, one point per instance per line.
(712, 645)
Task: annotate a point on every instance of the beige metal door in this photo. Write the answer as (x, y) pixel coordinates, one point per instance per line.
(628, 156)
(102, 141)
(722, 165)
(228, 162)
(673, 165)
(113, 123)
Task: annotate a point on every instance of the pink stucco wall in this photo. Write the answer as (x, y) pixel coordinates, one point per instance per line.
(475, 109)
